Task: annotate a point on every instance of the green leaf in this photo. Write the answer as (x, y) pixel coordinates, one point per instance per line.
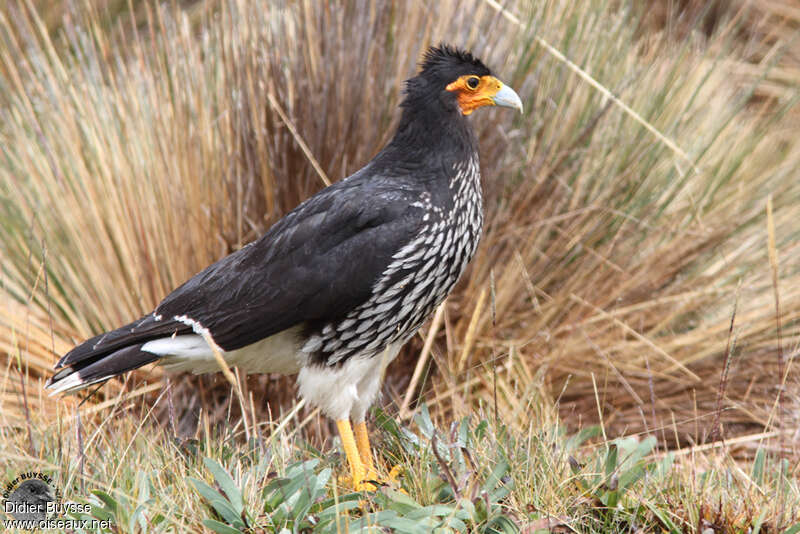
(284, 492)
(435, 510)
(630, 477)
(611, 461)
(634, 450)
(110, 503)
(494, 485)
(222, 528)
(298, 475)
(610, 499)
(481, 430)
(663, 518)
(494, 478)
(401, 503)
(499, 494)
(501, 525)
(337, 509)
(218, 502)
(350, 497)
(463, 433)
(423, 420)
(466, 509)
(302, 500)
(758, 466)
(581, 437)
(138, 515)
(143, 500)
(400, 436)
(454, 523)
(227, 484)
(391, 520)
(321, 488)
(102, 513)
(298, 469)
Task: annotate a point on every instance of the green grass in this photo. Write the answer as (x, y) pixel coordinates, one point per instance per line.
(473, 475)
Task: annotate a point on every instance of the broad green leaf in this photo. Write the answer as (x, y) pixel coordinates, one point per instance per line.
(501, 525)
(110, 503)
(227, 484)
(218, 502)
(222, 528)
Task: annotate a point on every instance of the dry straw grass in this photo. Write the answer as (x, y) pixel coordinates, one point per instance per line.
(135, 154)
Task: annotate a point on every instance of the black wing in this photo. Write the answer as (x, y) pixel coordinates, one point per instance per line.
(317, 263)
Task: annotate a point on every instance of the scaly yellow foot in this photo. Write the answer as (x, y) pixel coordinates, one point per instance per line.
(364, 450)
(365, 453)
(357, 470)
(396, 472)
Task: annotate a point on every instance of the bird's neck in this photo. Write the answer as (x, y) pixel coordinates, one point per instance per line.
(430, 135)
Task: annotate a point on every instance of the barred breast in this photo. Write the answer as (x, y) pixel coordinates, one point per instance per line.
(417, 280)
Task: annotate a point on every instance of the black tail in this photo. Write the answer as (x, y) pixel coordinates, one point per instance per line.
(111, 354)
(99, 369)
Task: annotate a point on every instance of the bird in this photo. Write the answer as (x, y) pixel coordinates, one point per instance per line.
(336, 287)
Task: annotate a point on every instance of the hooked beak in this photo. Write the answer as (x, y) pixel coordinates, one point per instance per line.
(506, 97)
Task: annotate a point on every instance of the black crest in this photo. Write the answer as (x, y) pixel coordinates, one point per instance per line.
(440, 66)
(447, 62)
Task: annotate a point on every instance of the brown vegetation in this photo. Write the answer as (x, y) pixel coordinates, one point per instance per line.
(613, 258)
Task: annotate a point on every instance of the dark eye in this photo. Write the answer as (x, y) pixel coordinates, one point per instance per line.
(473, 81)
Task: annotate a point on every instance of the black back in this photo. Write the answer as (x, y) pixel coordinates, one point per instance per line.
(323, 258)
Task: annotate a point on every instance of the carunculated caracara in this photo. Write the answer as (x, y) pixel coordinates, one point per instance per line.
(335, 288)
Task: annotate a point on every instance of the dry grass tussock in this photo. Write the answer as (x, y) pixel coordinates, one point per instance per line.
(135, 154)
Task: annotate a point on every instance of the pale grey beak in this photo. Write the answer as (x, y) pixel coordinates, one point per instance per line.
(507, 98)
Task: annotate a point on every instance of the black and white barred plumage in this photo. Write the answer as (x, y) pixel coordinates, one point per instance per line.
(336, 287)
(418, 278)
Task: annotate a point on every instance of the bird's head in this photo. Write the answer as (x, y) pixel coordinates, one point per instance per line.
(461, 81)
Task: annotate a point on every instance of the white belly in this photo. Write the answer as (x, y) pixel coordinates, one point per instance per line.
(348, 389)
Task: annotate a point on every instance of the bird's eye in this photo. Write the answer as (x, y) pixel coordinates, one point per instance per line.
(472, 82)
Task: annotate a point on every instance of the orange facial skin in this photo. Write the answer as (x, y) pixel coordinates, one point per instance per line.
(475, 91)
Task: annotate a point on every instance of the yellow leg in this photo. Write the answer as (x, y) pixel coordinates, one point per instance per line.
(364, 450)
(351, 450)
